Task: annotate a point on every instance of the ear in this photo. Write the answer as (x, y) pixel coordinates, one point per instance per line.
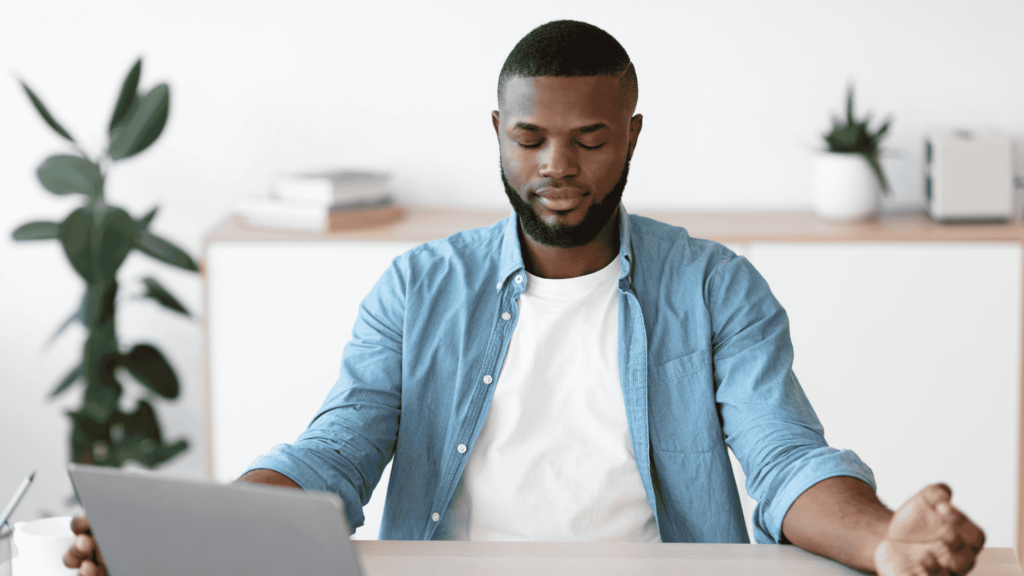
(496, 120)
(636, 123)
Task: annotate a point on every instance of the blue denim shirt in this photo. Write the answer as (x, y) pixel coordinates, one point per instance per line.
(705, 362)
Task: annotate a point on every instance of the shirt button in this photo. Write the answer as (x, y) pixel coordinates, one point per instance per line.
(488, 379)
(435, 517)
(506, 316)
(499, 286)
(519, 279)
(461, 448)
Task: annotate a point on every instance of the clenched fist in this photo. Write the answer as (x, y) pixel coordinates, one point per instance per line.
(84, 554)
(927, 535)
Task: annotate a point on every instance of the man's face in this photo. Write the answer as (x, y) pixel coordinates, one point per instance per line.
(565, 147)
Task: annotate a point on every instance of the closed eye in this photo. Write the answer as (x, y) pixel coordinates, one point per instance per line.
(580, 144)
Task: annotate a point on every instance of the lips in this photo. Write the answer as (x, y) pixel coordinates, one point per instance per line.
(561, 199)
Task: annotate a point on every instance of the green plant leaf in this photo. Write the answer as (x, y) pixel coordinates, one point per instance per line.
(77, 315)
(96, 240)
(37, 231)
(881, 131)
(873, 160)
(144, 124)
(150, 368)
(67, 381)
(849, 104)
(66, 174)
(165, 452)
(128, 96)
(846, 138)
(85, 434)
(141, 423)
(46, 113)
(140, 438)
(157, 292)
(116, 239)
(75, 235)
(116, 130)
(99, 361)
(101, 392)
(145, 220)
(164, 251)
(98, 308)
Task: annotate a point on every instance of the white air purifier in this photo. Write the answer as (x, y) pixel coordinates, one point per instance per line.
(968, 176)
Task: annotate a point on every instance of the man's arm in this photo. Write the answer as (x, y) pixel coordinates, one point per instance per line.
(271, 477)
(819, 498)
(352, 438)
(841, 518)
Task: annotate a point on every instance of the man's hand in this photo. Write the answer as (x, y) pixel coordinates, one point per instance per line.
(84, 554)
(928, 535)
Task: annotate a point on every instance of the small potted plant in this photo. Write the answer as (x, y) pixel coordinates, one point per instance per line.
(847, 181)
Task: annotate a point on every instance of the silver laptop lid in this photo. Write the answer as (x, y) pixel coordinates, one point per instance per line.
(154, 525)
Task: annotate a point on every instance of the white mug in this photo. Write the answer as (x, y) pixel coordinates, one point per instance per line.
(41, 545)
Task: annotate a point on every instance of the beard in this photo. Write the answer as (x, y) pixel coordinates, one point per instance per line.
(563, 235)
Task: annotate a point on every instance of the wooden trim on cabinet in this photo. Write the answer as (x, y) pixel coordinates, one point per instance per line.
(1019, 541)
(207, 415)
(744, 227)
(424, 224)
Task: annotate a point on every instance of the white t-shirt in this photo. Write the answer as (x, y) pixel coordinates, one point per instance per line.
(554, 461)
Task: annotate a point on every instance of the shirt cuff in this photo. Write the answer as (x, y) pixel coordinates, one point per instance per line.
(839, 463)
(284, 460)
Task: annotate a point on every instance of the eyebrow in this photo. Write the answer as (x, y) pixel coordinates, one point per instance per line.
(591, 128)
(584, 130)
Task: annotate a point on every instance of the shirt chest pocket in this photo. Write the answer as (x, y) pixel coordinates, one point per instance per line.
(681, 404)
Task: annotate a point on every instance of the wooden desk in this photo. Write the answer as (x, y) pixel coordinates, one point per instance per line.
(385, 558)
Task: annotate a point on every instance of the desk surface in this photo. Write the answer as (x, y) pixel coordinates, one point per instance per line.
(385, 558)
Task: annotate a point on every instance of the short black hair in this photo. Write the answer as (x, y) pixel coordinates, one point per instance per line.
(570, 48)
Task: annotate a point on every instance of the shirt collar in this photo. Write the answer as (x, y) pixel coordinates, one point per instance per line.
(512, 254)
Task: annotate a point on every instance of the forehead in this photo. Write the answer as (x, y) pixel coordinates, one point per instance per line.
(550, 101)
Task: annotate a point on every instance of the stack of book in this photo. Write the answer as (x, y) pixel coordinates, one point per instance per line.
(324, 201)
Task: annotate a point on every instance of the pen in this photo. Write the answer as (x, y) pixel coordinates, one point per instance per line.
(17, 498)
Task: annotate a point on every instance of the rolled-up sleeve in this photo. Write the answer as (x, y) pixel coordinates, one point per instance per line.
(766, 417)
(352, 437)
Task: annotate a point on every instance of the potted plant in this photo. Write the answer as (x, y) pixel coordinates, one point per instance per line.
(847, 181)
(97, 238)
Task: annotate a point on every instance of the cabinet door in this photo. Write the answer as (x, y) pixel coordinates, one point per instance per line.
(279, 315)
(910, 355)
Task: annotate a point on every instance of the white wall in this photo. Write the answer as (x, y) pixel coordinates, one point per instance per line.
(734, 95)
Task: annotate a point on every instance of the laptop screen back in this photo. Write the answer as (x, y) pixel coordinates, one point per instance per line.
(146, 524)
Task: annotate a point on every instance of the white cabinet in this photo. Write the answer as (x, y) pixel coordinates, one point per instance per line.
(910, 354)
(909, 350)
(279, 315)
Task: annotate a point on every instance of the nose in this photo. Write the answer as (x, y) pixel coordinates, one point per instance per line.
(558, 161)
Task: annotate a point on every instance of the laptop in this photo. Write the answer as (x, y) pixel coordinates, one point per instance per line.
(150, 524)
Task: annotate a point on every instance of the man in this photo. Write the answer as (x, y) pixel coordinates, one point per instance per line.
(576, 373)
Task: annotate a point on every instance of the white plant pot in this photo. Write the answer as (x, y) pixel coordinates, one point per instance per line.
(844, 187)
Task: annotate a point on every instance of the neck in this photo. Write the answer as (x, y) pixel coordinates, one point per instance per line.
(560, 263)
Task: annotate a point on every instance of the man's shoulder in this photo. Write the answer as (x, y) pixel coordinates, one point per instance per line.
(668, 243)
